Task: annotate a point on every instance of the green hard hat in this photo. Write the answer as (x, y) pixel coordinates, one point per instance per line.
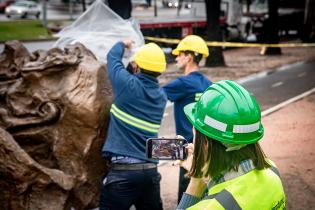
(228, 113)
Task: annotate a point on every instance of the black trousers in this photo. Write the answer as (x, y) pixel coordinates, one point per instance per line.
(123, 188)
(182, 184)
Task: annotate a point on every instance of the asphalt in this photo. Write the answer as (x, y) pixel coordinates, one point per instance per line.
(269, 88)
(282, 84)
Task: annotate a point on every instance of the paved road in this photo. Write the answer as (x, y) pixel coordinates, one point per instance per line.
(281, 85)
(269, 89)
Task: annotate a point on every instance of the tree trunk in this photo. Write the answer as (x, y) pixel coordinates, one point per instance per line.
(214, 33)
(309, 21)
(83, 5)
(272, 28)
(248, 2)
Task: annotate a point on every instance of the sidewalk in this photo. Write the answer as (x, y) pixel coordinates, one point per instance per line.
(289, 142)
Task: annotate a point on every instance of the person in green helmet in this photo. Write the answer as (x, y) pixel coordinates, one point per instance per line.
(225, 159)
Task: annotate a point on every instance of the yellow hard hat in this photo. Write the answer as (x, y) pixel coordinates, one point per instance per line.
(192, 43)
(151, 57)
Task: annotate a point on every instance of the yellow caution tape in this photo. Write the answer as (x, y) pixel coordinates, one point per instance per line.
(164, 40)
(232, 44)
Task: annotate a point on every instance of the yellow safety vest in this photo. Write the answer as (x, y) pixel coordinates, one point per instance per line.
(197, 96)
(257, 189)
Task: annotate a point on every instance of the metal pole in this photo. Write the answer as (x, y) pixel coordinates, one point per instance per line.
(155, 9)
(44, 8)
(71, 9)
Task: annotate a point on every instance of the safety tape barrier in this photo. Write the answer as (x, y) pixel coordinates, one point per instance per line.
(232, 44)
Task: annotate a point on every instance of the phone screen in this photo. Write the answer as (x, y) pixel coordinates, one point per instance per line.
(167, 149)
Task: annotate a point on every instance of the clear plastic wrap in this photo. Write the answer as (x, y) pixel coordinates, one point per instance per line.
(98, 29)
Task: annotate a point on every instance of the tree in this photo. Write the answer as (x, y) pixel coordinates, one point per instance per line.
(83, 5)
(309, 21)
(214, 32)
(122, 8)
(271, 26)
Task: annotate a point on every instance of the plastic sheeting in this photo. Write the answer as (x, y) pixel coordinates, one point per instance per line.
(98, 29)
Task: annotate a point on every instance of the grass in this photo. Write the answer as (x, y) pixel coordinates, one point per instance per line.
(23, 30)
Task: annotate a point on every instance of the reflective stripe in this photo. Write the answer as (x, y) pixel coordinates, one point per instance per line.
(215, 124)
(246, 128)
(136, 122)
(226, 199)
(236, 128)
(197, 96)
(275, 170)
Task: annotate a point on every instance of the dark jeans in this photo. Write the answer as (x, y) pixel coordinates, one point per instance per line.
(183, 183)
(123, 188)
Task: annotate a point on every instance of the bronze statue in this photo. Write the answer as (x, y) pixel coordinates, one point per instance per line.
(54, 110)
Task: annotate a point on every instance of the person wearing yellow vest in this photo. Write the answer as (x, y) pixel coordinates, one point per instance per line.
(228, 168)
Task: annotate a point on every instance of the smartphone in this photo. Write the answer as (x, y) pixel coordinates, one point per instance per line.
(166, 149)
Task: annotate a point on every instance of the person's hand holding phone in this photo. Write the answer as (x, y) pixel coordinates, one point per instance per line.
(187, 163)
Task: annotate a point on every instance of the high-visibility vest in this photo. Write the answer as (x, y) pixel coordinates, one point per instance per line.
(197, 96)
(257, 189)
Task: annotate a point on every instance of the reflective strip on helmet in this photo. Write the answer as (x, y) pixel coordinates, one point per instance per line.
(236, 128)
(246, 128)
(136, 122)
(215, 124)
(197, 96)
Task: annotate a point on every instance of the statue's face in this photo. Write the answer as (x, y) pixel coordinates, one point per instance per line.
(55, 104)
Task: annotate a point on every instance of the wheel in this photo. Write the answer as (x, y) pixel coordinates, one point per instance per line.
(8, 16)
(24, 15)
